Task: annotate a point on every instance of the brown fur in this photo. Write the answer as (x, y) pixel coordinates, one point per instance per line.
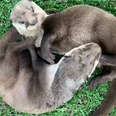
(39, 89)
(76, 26)
(27, 18)
(79, 25)
(109, 103)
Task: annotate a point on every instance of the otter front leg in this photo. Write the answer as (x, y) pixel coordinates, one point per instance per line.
(14, 48)
(19, 46)
(45, 48)
(33, 58)
(9, 66)
(109, 103)
(10, 36)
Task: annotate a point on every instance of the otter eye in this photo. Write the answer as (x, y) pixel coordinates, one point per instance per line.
(22, 22)
(32, 9)
(26, 24)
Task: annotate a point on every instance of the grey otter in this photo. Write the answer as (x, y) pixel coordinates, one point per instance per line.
(45, 87)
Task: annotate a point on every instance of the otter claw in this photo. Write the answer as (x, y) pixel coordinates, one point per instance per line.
(47, 57)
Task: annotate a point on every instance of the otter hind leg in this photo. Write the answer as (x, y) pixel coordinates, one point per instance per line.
(108, 65)
(109, 103)
(108, 60)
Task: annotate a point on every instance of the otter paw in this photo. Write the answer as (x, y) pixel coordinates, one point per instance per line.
(50, 58)
(47, 56)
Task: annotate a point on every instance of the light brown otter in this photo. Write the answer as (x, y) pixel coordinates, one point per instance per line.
(27, 18)
(45, 87)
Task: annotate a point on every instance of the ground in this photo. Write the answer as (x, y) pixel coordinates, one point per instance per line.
(85, 100)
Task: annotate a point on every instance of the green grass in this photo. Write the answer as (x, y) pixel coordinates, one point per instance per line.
(84, 100)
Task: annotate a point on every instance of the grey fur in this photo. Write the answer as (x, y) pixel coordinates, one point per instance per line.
(45, 87)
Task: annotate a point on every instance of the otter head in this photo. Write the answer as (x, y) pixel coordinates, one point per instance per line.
(27, 17)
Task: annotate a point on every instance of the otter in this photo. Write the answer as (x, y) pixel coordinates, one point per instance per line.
(19, 19)
(76, 26)
(27, 18)
(45, 87)
(79, 25)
